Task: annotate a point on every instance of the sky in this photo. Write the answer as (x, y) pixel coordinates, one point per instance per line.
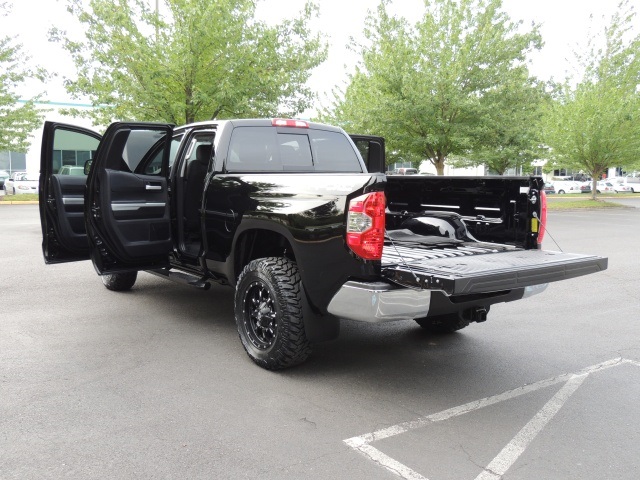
(565, 25)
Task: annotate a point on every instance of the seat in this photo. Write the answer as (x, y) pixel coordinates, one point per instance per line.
(196, 173)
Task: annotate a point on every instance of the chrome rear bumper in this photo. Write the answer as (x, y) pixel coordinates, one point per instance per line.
(378, 302)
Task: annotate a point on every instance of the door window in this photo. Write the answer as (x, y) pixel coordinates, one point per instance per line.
(153, 164)
(72, 148)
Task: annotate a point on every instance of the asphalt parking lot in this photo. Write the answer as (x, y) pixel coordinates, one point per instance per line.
(154, 383)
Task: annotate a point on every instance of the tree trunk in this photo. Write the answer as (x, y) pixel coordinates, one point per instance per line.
(439, 163)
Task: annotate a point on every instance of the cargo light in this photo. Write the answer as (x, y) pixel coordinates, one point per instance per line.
(365, 225)
(287, 122)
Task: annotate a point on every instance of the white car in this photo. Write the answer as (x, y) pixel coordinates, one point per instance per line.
(568, 186)
(8, 183)
(621, 187)
(23, 183)
(633, 183)
(605, 186)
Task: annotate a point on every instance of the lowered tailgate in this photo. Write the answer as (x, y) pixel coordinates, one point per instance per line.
(480, 268)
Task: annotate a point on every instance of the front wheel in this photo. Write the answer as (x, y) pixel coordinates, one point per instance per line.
(443, 323)
(120, 282)
(268, 311)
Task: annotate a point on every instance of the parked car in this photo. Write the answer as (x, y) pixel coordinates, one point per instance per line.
(604, 186)
(567, 187)
(71, 170)
(621, 187)
(549, 188)
(3, 176)
(23, 183)
(406, 171)
(633, 183)
(585, 187)
(8, 183)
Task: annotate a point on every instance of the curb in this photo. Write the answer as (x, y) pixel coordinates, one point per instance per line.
(28, 202)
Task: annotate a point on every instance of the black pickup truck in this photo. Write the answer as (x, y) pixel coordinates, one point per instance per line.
(300, 219)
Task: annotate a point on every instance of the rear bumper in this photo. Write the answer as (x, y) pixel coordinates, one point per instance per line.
(379, 302)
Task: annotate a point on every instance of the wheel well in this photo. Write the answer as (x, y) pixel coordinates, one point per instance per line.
(259, 243)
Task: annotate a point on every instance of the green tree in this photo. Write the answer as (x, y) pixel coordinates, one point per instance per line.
(16, 121)
(455, 84)
(203, 59)
(595, 124)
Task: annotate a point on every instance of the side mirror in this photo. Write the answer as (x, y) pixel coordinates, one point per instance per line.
(87, 166)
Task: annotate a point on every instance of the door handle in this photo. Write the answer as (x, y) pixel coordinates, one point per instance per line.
(153, 187)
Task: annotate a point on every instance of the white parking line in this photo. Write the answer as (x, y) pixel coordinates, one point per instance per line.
(519, 443)
(510, 453)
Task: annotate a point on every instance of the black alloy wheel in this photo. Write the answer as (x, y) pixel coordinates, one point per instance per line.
(268, 311)
(260, 316)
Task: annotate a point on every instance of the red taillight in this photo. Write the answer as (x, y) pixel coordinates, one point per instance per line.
(287, 122)
(543, 216)
(365, 225)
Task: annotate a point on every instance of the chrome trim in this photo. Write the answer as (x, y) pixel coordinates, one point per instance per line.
(378, 302)
(72, 200)
(532, 290)
(431, 205)
(153, 187)
(127, 207)
(489, 209)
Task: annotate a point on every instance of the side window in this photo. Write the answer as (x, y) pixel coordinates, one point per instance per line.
(72, 148)
(153, 166)
(132, 149)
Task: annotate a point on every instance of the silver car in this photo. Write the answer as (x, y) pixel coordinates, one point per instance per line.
(21, 182)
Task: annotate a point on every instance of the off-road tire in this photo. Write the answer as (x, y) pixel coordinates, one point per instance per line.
(443, 323)
(120, 282)
(268, 311)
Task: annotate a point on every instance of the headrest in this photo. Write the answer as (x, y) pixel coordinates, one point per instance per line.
(203, 153)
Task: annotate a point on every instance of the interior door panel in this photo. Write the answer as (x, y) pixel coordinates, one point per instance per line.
(68, 196)
(138, 216)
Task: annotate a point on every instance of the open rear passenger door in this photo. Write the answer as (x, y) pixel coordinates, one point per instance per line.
(127, 212)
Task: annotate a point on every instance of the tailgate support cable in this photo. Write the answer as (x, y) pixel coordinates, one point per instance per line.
(535, 215)
(386, 234)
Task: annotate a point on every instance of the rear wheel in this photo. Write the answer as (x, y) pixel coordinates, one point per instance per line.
(119, 282)
(268, 313)
(443, 323)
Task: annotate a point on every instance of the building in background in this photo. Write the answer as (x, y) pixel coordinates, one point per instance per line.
(13, 162)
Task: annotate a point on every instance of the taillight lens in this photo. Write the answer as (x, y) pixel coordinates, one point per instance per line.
(365, 225)
(543, 216)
